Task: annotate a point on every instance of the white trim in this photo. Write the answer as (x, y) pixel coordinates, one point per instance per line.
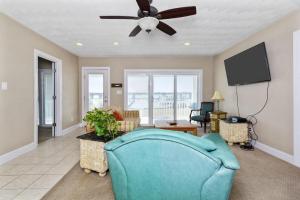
(58, 85)
(83, 68)
(296, 73)
(275, 152)
(71, 129)
(17, 152)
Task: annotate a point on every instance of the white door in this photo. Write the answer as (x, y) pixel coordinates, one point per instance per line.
(95, 89)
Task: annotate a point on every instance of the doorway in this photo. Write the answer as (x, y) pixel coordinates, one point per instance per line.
(56, 87)
(95, 88)
(46, 99)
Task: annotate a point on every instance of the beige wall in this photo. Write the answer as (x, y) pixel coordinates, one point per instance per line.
(17, 44)
(117, 66)
(275, 127)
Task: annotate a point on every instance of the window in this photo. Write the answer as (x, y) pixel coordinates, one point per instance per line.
(162, 95)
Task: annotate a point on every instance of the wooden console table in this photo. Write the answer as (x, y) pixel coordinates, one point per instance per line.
(182, 125)
(215, 118)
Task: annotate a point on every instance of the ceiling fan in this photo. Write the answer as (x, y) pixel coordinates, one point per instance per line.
(149, 17)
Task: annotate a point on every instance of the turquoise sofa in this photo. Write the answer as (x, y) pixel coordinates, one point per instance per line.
(154, 164)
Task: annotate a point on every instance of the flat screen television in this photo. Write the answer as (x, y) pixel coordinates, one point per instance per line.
(250, 66)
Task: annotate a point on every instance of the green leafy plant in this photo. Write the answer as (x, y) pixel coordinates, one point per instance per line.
(103, 122)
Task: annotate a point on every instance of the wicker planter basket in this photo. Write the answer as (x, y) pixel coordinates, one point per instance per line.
(234, 132)
(93, 157)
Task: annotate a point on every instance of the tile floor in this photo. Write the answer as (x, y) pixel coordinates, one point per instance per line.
(32, 175)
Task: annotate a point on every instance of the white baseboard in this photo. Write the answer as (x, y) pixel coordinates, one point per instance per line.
(276, 153)
(17, 152)
(70, 129)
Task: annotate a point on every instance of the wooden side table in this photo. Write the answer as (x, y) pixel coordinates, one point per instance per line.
(234, 132)
(215, 118)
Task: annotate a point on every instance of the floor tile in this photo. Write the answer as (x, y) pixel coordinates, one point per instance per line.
(22, 182)
(16, 170)
(61, 169)
(54, 159)
(33, 174)
(46, 181)
(9, 194)
(5, 180)
(32, 194)
(39, 169)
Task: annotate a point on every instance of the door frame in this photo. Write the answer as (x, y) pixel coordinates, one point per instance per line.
(83, 68)
(152, 72)
(296, 110)
(58, 88)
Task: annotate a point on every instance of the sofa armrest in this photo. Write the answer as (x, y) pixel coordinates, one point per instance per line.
(223, 152)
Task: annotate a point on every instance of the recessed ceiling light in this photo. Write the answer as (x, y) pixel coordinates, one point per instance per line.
(187, 44)
(79, 44)
(116, 43)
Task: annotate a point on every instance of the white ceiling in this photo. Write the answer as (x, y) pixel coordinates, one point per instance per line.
(218, 25)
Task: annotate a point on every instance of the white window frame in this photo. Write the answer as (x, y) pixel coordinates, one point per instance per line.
(151, 72)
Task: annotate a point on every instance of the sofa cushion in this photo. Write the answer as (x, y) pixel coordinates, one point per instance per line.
(198, 118)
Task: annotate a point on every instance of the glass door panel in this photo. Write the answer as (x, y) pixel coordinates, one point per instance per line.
(95, 91)
(163, 97)
(187, 95)
(138, 95)
(48, 98)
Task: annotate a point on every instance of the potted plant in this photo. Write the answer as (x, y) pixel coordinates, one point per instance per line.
(92, 154)
(104, 124)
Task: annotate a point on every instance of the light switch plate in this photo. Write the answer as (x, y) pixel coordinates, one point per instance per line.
(4, 86)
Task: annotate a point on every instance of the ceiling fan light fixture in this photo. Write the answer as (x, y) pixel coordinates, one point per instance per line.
(148, 23)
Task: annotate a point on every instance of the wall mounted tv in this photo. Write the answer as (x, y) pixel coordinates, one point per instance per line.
(250, 66)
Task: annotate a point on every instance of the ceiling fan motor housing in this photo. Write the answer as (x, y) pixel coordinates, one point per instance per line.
(153, 12)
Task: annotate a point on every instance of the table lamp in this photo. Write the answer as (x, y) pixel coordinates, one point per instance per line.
(217, 97)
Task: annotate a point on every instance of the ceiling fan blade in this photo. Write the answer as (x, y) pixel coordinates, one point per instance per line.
(119, 17)
(135, 31)
(144, 5)
(166, 28)
(177, 12)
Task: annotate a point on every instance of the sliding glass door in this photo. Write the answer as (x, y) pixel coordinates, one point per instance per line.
(138, 95)
(187, 95)
(162, 95)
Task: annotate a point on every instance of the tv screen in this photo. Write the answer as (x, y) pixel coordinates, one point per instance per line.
(250, 66)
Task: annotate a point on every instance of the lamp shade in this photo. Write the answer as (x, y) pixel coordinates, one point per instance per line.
(217, 96)
(148, 23)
